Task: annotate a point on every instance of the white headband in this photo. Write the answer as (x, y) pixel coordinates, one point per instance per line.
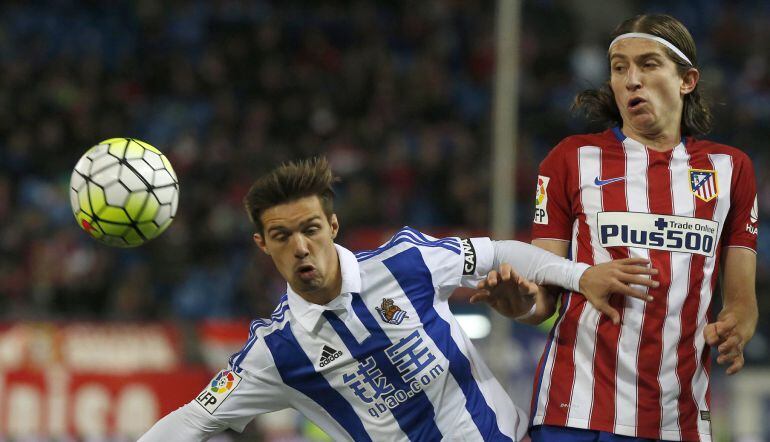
(662, 41)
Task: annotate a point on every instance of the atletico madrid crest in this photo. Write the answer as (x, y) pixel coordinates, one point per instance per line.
(703, 184)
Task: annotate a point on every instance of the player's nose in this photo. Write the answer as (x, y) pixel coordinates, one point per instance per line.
(300, 245)
(633, 79)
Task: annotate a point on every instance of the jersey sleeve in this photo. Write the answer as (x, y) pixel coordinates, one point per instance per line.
(242, 391)
(741, 224)
(553, 215)
(453, 262)
(231, 399)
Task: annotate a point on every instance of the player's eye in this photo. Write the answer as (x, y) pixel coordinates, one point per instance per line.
(280, 237)
(312, 230)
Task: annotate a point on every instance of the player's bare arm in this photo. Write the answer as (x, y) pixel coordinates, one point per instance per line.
(736, 323)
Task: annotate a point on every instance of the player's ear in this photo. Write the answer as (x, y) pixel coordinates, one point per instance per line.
(259, 240)
(335, 225)
(689, 81)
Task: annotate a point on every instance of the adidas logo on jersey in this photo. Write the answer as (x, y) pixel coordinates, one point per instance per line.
(328, 355)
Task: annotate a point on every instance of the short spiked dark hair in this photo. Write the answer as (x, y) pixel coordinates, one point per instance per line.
(289, 182)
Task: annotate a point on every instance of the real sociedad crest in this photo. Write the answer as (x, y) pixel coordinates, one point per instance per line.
(390, 312)
(703, 184)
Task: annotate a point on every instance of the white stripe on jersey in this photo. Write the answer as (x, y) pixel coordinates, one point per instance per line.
(508, 419)
(684, 205)
(590, 164)
(633, 312)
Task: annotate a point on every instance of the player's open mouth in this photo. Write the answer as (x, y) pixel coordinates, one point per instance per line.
(635, 103)
(306, 271)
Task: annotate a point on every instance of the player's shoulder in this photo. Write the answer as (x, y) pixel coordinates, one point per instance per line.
(407, 238)
(712, 147)
(253, 354)
(568, 145)
(278, 317)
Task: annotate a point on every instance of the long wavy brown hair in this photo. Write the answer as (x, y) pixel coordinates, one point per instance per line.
(599, 104)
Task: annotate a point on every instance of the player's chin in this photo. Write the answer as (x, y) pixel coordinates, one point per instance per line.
(310, 282)
(643, 120)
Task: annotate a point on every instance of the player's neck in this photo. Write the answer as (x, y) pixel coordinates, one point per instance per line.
(661, 141)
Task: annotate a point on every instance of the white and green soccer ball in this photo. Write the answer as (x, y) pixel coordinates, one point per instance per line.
(124, 192)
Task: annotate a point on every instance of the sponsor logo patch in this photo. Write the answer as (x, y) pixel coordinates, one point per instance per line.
(703, 184)
(328, 355)
(390, 312)
(751, 226)
(541, 200)
(658, 232)
(469, 257)
(220, 388)
(705, 415)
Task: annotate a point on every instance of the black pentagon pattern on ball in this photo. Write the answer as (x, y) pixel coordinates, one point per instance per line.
(108, 168)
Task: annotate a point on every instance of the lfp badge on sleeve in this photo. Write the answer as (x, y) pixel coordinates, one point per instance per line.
(221, 386)
(541, 200)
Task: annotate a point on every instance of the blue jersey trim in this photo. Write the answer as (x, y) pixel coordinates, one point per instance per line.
(298, 372)
(278, 316)
(416, 416)
(621, 136)
(618, 134)
(410, 235)
(414, 277)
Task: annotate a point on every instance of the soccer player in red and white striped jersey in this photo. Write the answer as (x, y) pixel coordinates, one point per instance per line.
(645, 188)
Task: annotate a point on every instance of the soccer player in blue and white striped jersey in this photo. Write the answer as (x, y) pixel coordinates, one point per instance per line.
(364, 344)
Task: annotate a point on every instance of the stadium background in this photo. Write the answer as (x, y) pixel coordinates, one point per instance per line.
(98, 342)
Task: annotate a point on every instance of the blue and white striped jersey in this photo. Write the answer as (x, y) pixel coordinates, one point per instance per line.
(385, 360)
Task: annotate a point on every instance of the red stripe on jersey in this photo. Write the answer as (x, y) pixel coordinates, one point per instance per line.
(607, 334)
(651, 338)
(686, 352)
(560, 393)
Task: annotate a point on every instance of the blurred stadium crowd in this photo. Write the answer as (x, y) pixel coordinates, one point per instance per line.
(396, 94)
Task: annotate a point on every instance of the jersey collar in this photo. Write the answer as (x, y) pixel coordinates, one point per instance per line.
(307, 313)
(622, 137)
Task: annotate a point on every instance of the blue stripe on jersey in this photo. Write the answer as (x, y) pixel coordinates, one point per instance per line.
(422, 236)
(539, 374)
(407, 234)
(298, 372)
(410, 237)
(416, 416)
(409, 269)
(278, 315)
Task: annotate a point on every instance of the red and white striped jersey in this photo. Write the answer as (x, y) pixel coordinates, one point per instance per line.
(612, 198)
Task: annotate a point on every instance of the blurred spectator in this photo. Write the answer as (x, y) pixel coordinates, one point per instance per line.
(397, 94)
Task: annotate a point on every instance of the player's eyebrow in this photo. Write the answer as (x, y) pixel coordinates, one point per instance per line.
(280, 228)
(277, 229)
(310, 220)
(637, 57)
